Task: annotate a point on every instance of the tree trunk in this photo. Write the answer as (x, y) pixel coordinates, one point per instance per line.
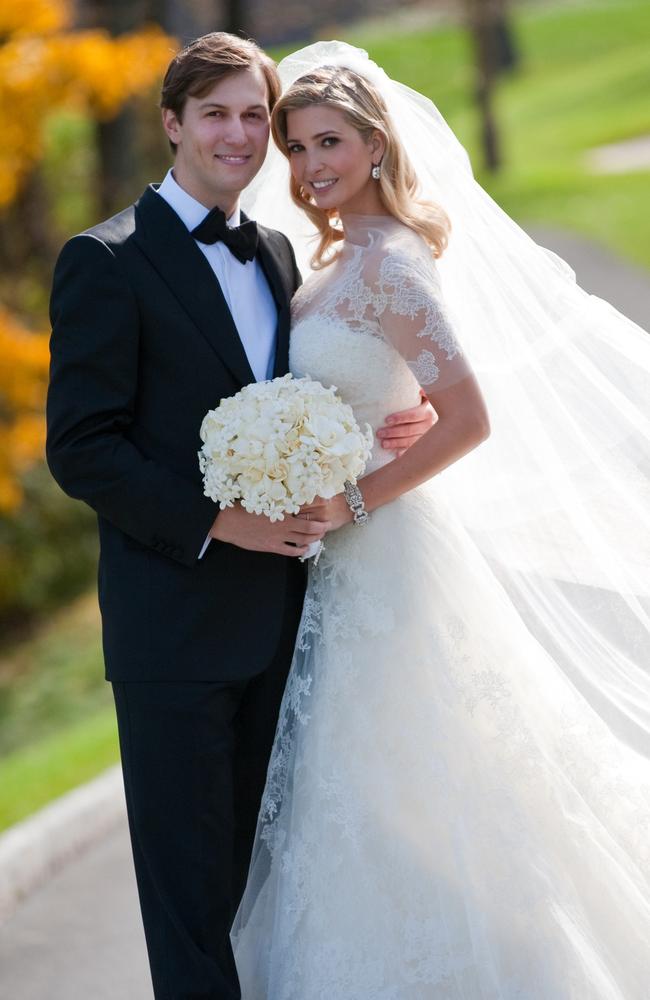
(27, 243)
(118, 182)
(237, 17)
(489, 28)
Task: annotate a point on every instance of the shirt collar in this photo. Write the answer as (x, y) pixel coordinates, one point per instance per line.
(190, 211)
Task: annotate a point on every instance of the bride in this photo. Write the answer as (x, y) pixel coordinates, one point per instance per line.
(458, 799)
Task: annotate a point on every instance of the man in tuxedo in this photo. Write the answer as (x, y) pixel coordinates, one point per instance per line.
(157, 314)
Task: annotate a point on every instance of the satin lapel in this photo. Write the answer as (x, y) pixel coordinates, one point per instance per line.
(282, 291)
(161, 235)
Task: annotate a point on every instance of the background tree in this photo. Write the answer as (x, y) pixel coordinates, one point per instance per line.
(46, 67)
(237, 17)
(494, 53)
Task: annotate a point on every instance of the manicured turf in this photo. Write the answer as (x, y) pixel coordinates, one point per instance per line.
(584, 81)
(57, 724)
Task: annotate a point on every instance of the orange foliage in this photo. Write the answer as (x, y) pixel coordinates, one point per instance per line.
(33, 17)
(44, 66)
(23, 380)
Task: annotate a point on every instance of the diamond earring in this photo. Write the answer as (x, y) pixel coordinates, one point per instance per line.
(376, 171)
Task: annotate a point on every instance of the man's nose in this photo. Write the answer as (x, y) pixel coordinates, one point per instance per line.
(235, 133)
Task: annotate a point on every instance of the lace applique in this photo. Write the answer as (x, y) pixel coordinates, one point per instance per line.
(410, 287)
(292, 714)
(425, 368)
(389, 289)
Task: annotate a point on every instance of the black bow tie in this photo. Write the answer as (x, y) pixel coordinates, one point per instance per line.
(240, 240)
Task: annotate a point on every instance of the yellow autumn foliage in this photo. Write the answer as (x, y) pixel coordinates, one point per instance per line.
(23, 381)
(45, 66)
(33, 17)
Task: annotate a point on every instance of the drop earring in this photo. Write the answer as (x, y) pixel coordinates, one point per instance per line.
(376, 171)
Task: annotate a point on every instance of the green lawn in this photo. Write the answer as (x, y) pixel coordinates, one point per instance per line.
(57, 723)
(36, 774)
(584, 81)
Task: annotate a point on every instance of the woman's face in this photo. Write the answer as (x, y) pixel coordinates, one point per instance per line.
(332, 161)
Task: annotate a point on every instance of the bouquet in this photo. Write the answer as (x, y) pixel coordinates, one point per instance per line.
(277, 445)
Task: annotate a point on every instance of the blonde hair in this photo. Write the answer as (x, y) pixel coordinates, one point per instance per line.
(364, 109)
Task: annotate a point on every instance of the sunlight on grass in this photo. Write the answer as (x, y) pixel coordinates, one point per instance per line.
(584, 81)
(33, 776)
(57, 721)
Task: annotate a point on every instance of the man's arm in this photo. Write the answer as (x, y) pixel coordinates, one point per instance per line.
(91, 401)
(403, 429)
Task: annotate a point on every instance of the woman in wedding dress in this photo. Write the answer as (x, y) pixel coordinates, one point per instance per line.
(458, 799)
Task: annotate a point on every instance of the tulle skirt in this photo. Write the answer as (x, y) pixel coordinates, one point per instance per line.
(447, 812)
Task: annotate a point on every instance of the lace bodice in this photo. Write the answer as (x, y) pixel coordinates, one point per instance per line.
(373, 322)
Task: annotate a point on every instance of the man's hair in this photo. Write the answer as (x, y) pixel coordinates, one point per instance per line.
(196, 68)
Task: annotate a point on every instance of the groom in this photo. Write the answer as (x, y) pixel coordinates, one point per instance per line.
(157, 314)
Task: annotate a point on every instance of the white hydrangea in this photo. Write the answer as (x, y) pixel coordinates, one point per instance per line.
(277, 445)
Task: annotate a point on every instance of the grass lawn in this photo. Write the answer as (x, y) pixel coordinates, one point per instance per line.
(584, 81)
(57, 723)
(34, 775)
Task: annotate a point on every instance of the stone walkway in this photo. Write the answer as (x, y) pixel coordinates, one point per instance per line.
(601, 272)
(620, 157)
(79, 936)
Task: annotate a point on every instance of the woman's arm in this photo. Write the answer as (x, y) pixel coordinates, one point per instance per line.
(462, 425)
(411, 316)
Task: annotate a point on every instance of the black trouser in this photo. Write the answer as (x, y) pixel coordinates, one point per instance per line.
(194, 757)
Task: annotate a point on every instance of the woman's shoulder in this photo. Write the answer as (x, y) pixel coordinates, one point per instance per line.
(393, 248)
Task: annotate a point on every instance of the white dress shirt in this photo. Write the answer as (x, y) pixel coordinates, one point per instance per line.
(244, 286)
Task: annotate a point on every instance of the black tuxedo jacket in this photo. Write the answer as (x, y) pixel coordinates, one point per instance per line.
(143, 344)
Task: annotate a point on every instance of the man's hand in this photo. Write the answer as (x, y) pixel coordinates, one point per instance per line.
(403, 429)
(290, 537)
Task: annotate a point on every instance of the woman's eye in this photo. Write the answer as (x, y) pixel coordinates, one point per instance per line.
(330, 140)
(295, 148)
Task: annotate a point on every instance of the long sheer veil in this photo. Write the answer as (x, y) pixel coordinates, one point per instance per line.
(558, 499)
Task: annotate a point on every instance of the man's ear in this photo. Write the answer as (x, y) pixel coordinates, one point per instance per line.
(171, 125)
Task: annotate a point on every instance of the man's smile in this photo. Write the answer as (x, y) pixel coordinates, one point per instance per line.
(234, 160)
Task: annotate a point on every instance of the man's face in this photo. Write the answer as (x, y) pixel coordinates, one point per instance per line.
(221, 141)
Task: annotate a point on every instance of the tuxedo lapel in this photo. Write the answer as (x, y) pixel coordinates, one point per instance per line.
(167, 244)
(282, 291)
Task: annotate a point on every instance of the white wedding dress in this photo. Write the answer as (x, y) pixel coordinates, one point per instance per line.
(447, 816)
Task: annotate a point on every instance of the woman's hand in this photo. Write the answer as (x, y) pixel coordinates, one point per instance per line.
(334, 512)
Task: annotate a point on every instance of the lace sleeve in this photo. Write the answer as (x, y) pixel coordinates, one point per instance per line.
(412, 317)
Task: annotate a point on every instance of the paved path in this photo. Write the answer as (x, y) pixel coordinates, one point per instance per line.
(602, 273)
(79, 936)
